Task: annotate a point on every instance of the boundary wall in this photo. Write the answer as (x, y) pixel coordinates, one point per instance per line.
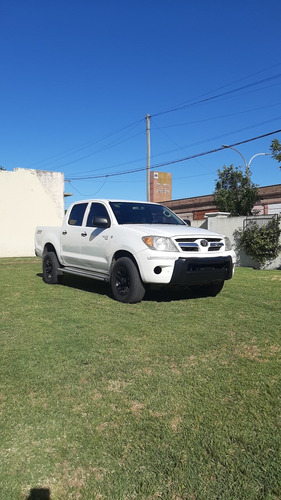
(228, 226)
(28, 198)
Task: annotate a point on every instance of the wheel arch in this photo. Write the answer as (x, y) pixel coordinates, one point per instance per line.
(49, 247)
(123, 253)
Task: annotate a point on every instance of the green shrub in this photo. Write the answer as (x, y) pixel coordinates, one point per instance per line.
(262, 243)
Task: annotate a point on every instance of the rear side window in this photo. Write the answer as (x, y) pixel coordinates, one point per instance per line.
(77, 214)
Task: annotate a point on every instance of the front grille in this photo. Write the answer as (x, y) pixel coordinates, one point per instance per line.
(195, 245)
(189, 246)
(215, 246)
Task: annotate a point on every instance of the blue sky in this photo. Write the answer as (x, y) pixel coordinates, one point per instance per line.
(79, 77)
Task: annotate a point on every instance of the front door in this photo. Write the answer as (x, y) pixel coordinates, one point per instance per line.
(71, 236)
(95, 241)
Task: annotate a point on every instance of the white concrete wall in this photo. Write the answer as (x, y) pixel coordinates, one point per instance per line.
(28, 198)
(228, 226)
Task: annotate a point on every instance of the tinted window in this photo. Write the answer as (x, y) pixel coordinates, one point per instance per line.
(77, 214)
(97, 210)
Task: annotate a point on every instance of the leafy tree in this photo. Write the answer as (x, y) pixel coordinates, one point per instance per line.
(262, 243)
(235, 192)
(276, 150)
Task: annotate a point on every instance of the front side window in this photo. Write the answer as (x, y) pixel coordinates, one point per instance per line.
(96, 210)
(77, 214)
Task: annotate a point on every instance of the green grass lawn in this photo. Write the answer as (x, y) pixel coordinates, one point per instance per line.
(171, 398)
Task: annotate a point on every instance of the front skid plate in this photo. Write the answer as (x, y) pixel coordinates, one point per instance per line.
(194, 271)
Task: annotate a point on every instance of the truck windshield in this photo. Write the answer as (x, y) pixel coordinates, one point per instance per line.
(127, 212)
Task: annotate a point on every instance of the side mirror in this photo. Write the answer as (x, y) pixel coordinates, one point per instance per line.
(187, 221)
(102, 222)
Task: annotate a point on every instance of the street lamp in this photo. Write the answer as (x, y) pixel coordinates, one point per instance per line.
(247, 165)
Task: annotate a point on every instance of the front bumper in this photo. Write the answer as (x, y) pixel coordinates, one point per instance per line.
(194, 271)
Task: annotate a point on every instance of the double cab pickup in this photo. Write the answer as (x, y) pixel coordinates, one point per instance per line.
(131, 245)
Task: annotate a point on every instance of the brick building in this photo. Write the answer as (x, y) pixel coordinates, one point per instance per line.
(195, 208)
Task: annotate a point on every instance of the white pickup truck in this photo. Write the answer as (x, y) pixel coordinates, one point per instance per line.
(132, 244)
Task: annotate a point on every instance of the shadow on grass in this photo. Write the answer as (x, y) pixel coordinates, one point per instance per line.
(84, 284)
(164, 294)
(39, 494)
(171, 294)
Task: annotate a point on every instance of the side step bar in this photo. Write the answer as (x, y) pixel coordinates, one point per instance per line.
(85, 273)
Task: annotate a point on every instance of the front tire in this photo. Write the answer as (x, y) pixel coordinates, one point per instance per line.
(50, 266)
(125, 281)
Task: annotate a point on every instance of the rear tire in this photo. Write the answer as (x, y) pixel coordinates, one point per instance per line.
(50, 267)
(125, 281)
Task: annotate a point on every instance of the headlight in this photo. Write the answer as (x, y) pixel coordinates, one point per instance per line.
(160, 243)
(227, 243)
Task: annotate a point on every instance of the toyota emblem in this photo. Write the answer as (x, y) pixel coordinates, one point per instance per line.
(204, 243)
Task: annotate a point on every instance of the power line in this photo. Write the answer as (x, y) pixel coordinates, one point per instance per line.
(197, 155)
(219, 117)
(228, 92)
(172, 162)
(128, 128)
(233, 83)
(214, 137)
(122, 164)
(60, 156)
(225, 134)
(106, 147)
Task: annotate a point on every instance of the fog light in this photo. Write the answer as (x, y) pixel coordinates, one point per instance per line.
(158, 270)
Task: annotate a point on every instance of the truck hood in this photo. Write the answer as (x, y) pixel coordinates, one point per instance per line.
(171, 231)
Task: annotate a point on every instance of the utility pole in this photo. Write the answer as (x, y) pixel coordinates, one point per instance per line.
(148, 158)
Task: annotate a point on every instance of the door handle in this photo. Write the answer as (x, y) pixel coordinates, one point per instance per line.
(64, 232)
(84, 233)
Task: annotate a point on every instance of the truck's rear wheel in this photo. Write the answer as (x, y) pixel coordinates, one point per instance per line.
(50, 269)
(125, 281)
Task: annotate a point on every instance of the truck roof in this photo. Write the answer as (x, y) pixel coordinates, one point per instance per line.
(115, 200)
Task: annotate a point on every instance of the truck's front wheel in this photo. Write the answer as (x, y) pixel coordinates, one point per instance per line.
(125, 281)
(50, 269)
